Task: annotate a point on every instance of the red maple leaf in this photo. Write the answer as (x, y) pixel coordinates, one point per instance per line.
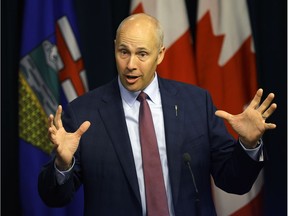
(232, 85)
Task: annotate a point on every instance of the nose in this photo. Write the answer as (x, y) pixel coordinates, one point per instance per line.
(131, 64)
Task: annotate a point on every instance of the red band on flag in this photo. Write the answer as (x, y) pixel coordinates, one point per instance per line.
(178, 63)
(71, 69)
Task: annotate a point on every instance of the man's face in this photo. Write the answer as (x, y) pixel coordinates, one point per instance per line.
(137, 53)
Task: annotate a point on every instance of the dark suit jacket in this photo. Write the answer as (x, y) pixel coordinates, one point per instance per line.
(105, 164)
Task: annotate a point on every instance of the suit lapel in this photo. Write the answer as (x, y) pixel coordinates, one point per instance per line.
(173, 121)
(113, 117)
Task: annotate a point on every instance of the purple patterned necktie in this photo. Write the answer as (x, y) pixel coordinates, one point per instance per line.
(156, 199)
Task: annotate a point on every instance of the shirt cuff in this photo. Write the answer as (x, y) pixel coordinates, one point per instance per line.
(256, 153)
(62, 176)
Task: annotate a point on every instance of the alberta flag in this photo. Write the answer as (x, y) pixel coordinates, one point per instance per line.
(51, 72)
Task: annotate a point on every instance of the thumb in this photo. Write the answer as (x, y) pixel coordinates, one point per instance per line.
(83, 128)
(223, 114)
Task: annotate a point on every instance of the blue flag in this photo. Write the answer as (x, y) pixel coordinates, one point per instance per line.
(51, 72)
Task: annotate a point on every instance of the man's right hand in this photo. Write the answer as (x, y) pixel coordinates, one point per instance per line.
(64, 143)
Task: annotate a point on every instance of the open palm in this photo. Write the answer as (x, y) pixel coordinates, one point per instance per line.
(65, 143)
(251, 124)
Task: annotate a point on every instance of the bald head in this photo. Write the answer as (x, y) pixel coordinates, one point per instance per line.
(138, 50)
(143, 23)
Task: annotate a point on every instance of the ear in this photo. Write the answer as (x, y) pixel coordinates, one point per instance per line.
(115, 47)
(161, 55)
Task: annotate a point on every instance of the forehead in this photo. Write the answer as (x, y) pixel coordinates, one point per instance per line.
(138, 35)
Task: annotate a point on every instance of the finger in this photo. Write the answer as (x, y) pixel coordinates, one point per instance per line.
(83, 128)
(50, 120)
(51, 126)
(270, 126)
(52, 130)
(58, 121)
(257, 98)
(269, 111)
(266, 103)
(223, 114)
(52, 138)
(49, 133)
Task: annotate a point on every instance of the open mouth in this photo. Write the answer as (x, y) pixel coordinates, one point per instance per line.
(131, 79)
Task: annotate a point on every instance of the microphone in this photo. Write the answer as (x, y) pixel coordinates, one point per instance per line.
(187, 161)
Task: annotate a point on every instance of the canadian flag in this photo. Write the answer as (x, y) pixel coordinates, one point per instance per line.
(225, 61)
(226, 66)
(178, 63)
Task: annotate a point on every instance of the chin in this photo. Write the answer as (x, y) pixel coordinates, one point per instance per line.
(132, 87)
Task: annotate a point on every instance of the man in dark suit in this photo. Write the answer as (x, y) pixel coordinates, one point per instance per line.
(97, 139)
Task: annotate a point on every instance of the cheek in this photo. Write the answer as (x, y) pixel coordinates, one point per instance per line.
(149, 67)
(120, 63)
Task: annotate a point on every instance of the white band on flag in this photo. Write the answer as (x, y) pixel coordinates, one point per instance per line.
(69, 37)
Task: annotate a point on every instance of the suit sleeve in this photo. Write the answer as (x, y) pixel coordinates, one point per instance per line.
(233, 170)
(53, 194)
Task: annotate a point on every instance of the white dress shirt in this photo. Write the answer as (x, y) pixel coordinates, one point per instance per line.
(131, 108)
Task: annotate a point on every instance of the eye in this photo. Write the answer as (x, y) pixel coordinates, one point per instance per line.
(123, 53)
(142, 55)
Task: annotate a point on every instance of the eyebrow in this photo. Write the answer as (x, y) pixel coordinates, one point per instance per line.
(138, 49)
(122, 45)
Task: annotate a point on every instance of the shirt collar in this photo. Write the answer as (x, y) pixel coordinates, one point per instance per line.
(152, 90)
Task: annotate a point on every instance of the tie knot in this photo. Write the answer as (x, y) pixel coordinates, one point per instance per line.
(142, 96)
